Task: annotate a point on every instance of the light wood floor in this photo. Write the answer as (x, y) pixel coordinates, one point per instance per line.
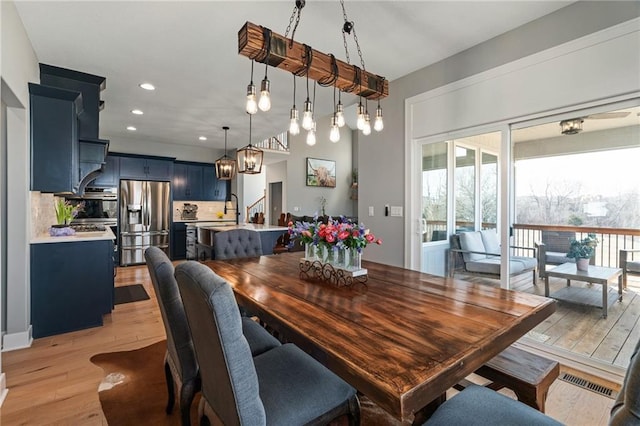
(53, 382)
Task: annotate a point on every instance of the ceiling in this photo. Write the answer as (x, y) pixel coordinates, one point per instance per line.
(188, 50)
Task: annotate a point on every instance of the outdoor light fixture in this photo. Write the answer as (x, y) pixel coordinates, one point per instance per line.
(225, 166)
(252, 106)
(294, 127)
(260, 44)
(571, 127)
(249, 158)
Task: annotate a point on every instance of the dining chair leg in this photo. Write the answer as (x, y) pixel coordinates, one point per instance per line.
(354, 411)
(170, 386)
(187, 393)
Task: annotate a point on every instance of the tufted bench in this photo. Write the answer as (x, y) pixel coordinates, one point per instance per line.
(236, 243)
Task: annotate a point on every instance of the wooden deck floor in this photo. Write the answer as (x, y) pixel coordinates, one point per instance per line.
(581, 329)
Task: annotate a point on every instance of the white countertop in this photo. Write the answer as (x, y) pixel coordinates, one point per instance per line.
(78, 237)
(205, 220)
(251, 226)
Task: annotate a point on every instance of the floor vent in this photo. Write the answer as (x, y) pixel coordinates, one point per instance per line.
(599, 389)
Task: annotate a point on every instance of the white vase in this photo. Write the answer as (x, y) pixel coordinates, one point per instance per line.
(582, 264)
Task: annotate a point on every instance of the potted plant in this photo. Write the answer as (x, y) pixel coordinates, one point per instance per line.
(583, 250)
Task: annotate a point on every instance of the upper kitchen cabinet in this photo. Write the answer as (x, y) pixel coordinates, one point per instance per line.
(54, 138)
(110, 176)
(146, 168)
(197, 182)
(89, 85)
(187, 181)
(212, 188)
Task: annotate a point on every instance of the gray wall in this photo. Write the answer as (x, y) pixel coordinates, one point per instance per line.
(307, 198)
(381, 165)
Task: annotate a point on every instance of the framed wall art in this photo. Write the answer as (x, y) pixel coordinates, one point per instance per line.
(321, 173)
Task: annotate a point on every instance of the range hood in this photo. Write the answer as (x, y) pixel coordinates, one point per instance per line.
(93, 154)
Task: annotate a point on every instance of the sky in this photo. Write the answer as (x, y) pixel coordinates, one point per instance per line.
(606, 173)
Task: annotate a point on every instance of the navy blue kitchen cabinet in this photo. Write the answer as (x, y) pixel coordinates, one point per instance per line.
(71, 285)
(214, 189)
(88, 85)
(146, 168)
(54, 138)
(93, 155)
(179, 241)
(197, 182)
(187, 181)
(110, 176)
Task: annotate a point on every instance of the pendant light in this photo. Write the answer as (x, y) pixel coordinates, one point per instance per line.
(294, 127)
(251, 106)
(225, 166)
(334, 133)
(340, 110)
(307, 115)
(249, 158)
(265, 92)
(378, 125)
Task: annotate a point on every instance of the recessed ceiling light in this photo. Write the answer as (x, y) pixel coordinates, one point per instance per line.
(131, 128)
(203, 138)
(137, 112)
(147, 86)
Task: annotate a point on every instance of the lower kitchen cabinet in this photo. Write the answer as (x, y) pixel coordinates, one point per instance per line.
(179, 241)
(71, 285)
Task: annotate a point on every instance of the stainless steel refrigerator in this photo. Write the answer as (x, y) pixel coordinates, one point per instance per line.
(144, 219)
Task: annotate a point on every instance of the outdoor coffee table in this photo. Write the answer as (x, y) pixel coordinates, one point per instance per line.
(595, 275)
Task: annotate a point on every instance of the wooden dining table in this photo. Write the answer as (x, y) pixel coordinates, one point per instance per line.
(402, 338)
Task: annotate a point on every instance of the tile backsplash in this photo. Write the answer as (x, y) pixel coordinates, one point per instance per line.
(207, 210)
(43, 213)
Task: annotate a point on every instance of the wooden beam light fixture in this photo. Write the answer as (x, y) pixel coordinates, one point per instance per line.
(297, 57)
(262, 45)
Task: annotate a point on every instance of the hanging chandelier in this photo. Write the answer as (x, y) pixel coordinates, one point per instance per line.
(262, 45)
(225, 166)
(249, 158)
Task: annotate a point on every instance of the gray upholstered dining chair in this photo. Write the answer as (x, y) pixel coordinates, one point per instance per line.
(283, 386)
(477, 405)
(236, 243)
(180, 365)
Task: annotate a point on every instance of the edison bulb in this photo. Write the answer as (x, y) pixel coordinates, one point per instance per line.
(311, 137)
(334, 134)
(265, 96)
(252, 105)
(340, 114)
(360, 120)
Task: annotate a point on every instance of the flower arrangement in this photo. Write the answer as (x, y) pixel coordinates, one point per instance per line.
(335, 234)
(65, 211)
(583, 249)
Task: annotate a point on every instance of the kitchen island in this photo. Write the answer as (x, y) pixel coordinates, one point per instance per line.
(268, 233)
(72, 281)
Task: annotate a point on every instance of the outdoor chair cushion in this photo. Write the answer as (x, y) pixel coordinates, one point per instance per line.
(472, 241)
(492, 266)
(557, 258)
(490, 241)
(527, 262)
(633, 266)
(480, 406)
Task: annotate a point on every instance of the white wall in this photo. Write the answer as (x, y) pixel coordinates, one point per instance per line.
(381, 156)
(19, 66)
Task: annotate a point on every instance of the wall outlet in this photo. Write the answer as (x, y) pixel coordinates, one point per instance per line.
(370, 210)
